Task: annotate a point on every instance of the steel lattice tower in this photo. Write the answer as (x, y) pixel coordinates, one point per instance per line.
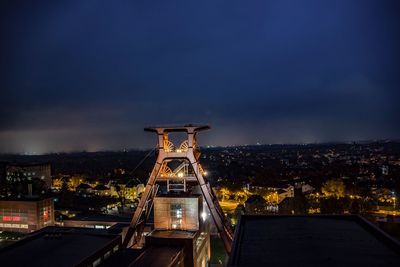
(188, 151)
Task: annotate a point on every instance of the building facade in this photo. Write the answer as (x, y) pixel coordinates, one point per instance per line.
(29, 171)
(26, 215)
(2, 172)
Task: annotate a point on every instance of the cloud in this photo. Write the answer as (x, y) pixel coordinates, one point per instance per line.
(81, 76)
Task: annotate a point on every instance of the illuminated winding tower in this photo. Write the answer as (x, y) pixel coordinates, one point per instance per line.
(181, 199)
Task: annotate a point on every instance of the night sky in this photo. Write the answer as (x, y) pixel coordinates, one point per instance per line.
(89, 75)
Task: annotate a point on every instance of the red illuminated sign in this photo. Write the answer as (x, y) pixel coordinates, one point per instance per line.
(11, 218)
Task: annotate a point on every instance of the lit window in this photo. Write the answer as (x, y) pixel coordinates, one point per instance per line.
(176, 216)
(45, 215)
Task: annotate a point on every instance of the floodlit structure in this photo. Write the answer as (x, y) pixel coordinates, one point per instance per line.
(177, 206)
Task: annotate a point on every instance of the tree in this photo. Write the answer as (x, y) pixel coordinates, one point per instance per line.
(256, 204)
(334, 188)
(66, 196)
(272, 197)
(121, 195)
(332, 205)
(301, 204)
(355, 206)
(223, 194)
(240, 196)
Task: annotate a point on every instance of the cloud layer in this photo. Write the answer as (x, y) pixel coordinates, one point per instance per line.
(89, 75)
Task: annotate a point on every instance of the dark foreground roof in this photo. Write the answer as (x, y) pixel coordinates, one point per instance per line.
(54, 246)
(122, 258)
(158, 257)
(154, 256)
(312, 241)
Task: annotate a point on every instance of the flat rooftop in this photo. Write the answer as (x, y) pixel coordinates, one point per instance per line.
(154, 256)
(172, 234)
(158, 256)
(26, 164)
(122, 258)
(55, 246)
(100, 218)
(26, 198)
(311, 241)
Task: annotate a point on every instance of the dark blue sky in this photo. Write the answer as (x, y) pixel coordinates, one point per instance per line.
(91, 74)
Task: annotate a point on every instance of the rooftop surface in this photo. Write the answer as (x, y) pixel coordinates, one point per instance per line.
(26, 164)
(33, 198)
(173, 234)
(122, 258)
(55, 248)
(157, 257)
(311, 241)
(99, 217)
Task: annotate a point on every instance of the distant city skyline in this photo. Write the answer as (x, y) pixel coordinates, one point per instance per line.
(90, 75)
(203, 146)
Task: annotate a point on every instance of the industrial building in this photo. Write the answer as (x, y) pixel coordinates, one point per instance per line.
(42, 171)
(26, 215)
(174, 214)
(2, 173)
